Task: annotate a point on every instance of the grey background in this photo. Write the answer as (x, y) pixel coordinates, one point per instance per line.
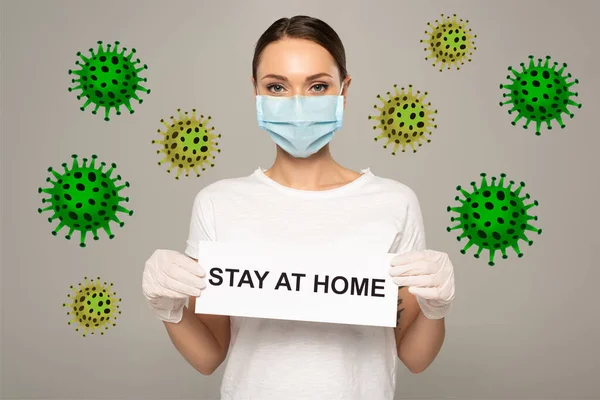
(526, 328)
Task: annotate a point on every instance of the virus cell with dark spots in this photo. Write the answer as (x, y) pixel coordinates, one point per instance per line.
(450, 42)
(92, 307)
(84, 198)
(109, 79)
(539, 93)
(493, 217)
(405, 119)
(188, 143)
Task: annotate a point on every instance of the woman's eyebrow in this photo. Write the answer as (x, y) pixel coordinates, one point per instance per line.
(274, 76)
(316, 76)
(285, 79)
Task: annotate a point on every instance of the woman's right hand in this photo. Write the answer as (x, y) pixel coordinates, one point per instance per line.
(169, 279)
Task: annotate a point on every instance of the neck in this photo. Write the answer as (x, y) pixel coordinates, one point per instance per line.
(312, 173)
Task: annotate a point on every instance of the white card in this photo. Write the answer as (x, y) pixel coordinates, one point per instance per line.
(297, 282)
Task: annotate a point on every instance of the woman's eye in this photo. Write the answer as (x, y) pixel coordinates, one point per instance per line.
(320, 87)
(276, 88)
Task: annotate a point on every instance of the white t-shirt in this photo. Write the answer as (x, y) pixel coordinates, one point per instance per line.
(292, 360)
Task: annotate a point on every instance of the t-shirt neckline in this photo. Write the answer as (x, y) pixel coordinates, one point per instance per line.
(365, 176)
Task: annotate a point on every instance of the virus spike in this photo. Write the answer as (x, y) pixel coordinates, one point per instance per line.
(529, 227)
(464, 192)
(484, 183)
(123, 210)
(60, 225)
(451, 228)
(478, 253)
(188, 143)
(404, 119)
(501, 183)
(540, 93)
(92, 306)
(70, 234)
(108, 232)
(493, 217)
(84, 198)
(518, 191)
(491, 259)
(84, 58)
(133, 51)
(110, 171)
(100, 49)
(535, 203)
(469, 244)
(450, 42)
(109, 79)
(95, 110)
(82, 238)
(41, 210)
(517, 250)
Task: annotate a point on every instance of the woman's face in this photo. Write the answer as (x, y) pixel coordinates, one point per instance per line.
(292, 67)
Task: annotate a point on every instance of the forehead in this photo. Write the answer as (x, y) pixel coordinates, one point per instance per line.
(293, 57)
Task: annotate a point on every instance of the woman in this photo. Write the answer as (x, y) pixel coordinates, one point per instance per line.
(299, 75)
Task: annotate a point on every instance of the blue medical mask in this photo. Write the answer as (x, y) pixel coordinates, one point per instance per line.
(300, 125)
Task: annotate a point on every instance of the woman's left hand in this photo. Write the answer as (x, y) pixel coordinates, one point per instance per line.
(429, 275)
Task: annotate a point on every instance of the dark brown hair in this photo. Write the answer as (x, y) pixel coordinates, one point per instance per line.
(303, 27)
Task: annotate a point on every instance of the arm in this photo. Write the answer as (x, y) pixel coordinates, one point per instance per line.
(422, 342)
(202, 339)
(408, 310)
(418, 339)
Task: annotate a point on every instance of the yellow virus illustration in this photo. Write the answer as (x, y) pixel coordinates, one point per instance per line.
(450, 42)
(188, 143)
(92, 306)
(405, 119)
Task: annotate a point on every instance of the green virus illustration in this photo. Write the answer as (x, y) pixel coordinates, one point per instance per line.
(92, 306)
(84, 198)
(188, 143)
(450, 42)
(494, 217)
(405, 119)
(540, 93)
(109, 79)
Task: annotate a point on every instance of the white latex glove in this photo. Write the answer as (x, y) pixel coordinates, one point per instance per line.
(169, 279)
(429, 275)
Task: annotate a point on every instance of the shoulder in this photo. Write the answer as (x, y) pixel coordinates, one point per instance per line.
(227, 185)
(225, 188)
(397, 190)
